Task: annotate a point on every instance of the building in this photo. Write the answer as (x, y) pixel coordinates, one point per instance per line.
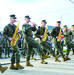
(50, 28)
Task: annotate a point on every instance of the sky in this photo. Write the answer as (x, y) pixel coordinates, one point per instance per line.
(49, 10)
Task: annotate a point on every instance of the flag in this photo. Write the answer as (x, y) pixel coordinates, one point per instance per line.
(62, 38)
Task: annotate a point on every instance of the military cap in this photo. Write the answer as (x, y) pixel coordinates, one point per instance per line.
(13, 16)
(27, 16)
(73, 25)
(44, 21)
(65, 26)
(59, 22)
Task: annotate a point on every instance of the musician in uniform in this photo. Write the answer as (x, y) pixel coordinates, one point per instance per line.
(40, 34)
(67, 41)
(3, 69)
(31, 43)
(8, 34)
(1, 45)
(54, 33)
(72, 36)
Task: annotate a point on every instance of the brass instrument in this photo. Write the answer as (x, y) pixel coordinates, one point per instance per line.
(45, 35)
(15, 36)
(59, 36)
(32, 23)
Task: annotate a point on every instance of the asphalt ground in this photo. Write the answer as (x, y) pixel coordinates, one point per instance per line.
(52, 68)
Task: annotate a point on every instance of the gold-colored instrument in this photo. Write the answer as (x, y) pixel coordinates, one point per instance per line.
(59, 36)
(15, 36)
(45, 35)
(32, 23)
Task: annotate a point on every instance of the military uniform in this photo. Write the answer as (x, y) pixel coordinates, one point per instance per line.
(32, 56)
(29, 39)
(62, 44)
(45, 45)
(67, 41)
(8, 33)
(1, 46)
(31, 43)
(57, 44)
(22, 48)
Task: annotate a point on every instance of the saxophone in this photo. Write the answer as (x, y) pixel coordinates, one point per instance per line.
(45, 35)
(15, 36)
(59, 36)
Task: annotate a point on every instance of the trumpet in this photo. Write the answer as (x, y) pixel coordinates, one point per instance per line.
(32, 23)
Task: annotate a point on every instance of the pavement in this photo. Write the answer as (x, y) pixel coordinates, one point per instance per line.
(52, 68)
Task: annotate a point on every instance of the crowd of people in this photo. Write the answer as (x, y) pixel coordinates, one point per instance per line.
(38, 44)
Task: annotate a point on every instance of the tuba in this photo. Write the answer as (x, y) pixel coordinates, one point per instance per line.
(15, 36)
(45, 35)
(59, 36)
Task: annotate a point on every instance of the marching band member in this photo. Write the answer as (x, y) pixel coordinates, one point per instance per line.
(31, 43)
(8, 34)
(54, 33)
(40, 34)
(67, 41)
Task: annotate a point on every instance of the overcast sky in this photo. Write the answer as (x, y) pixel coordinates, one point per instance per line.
(50, 10)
